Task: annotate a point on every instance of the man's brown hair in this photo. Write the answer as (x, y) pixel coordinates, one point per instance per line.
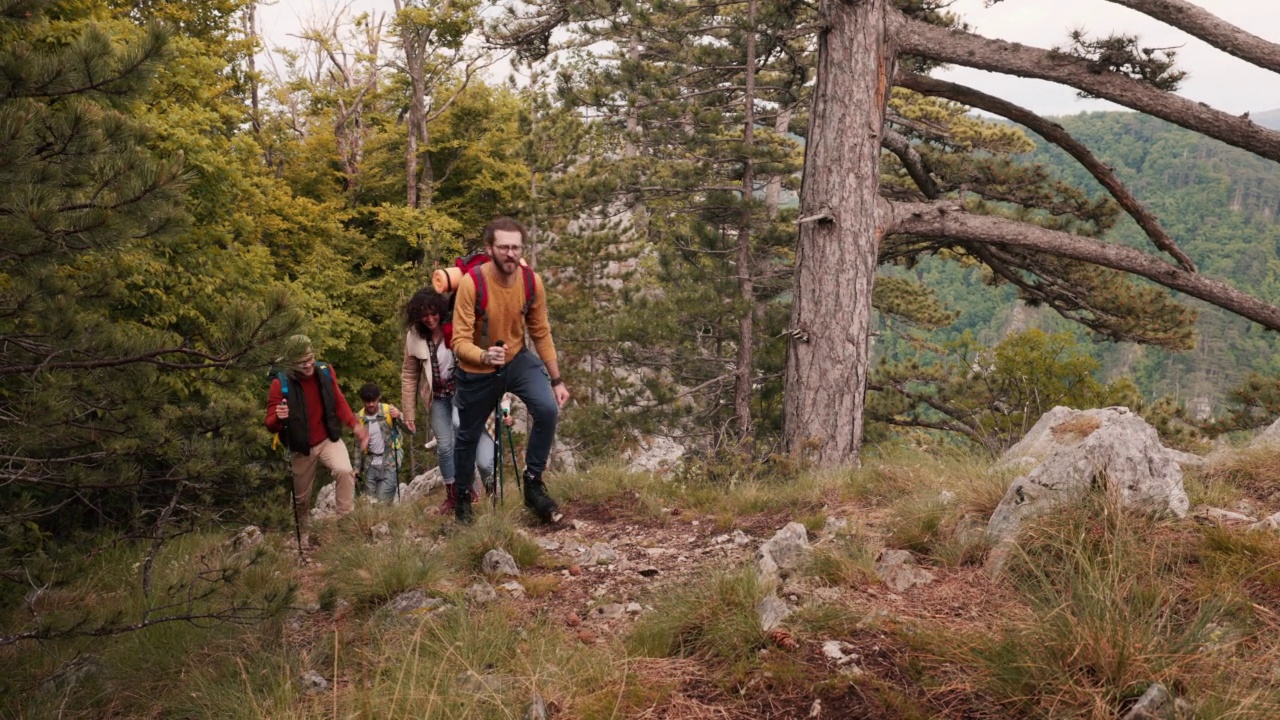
(505, 224)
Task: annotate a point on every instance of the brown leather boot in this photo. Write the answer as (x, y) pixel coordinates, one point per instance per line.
(450, 500)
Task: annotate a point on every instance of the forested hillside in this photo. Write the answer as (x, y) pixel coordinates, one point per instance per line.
(1220, 203)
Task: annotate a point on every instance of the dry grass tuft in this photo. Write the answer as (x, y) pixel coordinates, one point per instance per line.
(1254, 473)
(1077, 428)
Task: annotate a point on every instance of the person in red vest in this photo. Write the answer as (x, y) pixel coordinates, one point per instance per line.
(308, 416)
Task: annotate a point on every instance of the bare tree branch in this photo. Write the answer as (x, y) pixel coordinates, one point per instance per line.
(153, 357)
(970, 50)
(1195, 20)
(943, 219)
(1054, 133)
(899, 145)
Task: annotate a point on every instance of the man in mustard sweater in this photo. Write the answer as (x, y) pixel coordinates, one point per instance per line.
(496, 304)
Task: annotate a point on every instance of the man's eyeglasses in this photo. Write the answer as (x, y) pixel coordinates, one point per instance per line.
(509, 249)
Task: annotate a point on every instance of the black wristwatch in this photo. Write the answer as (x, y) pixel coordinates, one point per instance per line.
(556, 381)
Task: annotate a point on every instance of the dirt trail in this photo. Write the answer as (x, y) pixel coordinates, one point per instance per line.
(599, 603)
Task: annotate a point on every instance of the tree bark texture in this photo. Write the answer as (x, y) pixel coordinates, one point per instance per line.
(842, 221)
(746, 272)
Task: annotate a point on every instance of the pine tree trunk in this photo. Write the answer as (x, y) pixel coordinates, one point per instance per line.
(773, 188)
(413, 124)
(411, 154)
(426, 173)
(251, 32)
(417, 167)
(842, 221)
(746, 279)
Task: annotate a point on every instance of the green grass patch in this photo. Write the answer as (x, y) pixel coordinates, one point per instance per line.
(366, 575)
(468, 545)
(205, 596)
(845, 561)
(714, 619)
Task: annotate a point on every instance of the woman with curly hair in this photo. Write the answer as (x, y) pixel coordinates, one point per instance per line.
(427, 375)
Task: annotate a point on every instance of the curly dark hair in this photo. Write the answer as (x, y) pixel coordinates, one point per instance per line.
(424, 301)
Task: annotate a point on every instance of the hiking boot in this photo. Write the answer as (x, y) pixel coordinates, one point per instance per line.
(462, 508)
(537, 499)
(450, 500)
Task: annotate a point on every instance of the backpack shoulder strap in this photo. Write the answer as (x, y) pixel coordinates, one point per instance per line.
(385, 409)
(529, 287)
(283, 377)
(482, 292)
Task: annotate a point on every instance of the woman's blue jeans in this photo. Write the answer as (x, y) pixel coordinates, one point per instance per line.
(444, 423)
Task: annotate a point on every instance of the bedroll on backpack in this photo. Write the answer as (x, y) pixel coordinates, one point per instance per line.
(447, 280)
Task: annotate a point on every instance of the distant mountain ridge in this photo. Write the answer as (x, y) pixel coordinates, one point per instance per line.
(1267, 118)
(1221, 204)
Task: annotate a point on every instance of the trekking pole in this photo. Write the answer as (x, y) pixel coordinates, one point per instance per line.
(498, 480)
(511, 442)
(293, 494)
(363, 473)
(395, 455)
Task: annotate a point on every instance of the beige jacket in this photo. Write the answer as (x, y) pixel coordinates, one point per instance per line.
(415, 374)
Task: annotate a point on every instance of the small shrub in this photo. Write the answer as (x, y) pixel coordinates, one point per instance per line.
(328, 598)
(1106, 619)
(481, 663)
(1255, 473)
(540, 585)
(917, 524)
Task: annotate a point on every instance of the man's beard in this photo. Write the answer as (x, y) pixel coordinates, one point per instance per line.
(506, 265)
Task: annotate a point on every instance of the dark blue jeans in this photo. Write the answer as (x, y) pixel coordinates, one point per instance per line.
(477, 395)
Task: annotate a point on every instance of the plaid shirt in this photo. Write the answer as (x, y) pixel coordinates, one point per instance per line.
(441, 387)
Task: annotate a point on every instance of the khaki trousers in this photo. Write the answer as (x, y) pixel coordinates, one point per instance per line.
(333, 454)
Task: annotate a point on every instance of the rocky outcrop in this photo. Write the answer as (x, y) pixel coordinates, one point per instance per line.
(656, 454)
(783, 554)
(1072, 453)
(414, 602)
(326, 503)
(499, 562)
(1270, 437)
(897, 569)
(421, 485)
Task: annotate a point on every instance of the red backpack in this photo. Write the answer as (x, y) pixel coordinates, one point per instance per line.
(446, 280)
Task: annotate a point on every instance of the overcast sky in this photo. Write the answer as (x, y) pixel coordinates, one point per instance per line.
(1214, 77)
